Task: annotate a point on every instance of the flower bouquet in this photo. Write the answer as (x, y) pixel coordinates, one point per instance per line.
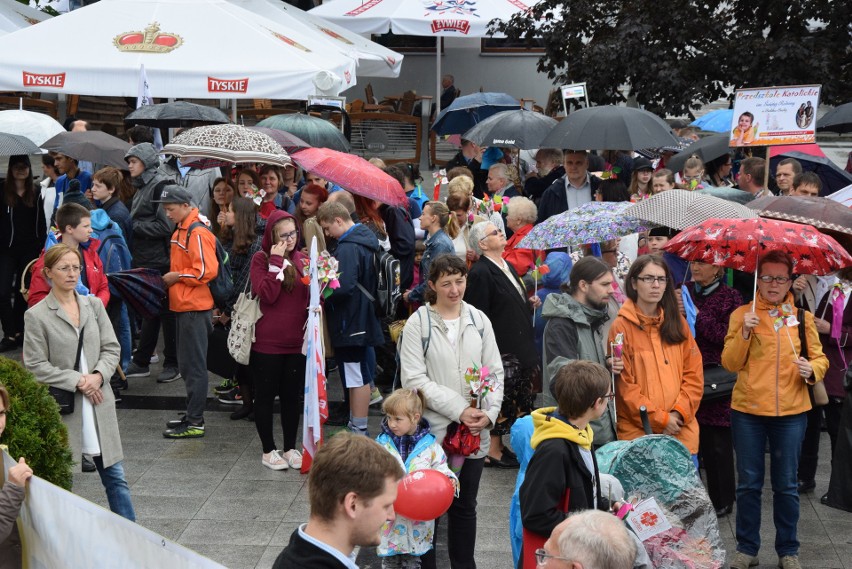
(256, 195)
(327, 273)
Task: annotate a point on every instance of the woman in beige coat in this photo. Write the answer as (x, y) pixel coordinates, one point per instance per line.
(53, 330)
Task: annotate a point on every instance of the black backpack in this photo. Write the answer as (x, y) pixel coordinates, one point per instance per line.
(222, 286)
(388, 291)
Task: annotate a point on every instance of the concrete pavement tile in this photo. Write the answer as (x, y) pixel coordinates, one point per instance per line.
(231, 556)
(169, 528)
(270, 554)
(239, 490)
(282, 535)
(844, 552)
(172, 467)
(249, 467)
(157, 508)
(135, 468)
(816, 556)
(298, 512)
(204, 448)
(144, 448)
(841, 532)
(197, 486)
(496, 516)
(254, 508)
(227, 533)
(827, 514)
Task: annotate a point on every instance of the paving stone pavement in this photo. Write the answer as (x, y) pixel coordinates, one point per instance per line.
(214, 496)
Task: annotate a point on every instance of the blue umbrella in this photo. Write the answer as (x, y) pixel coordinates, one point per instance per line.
(715, 121)
(467, 111)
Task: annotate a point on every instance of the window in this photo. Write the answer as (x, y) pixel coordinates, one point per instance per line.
(506, 46)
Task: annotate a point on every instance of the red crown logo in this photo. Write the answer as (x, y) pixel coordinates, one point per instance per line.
(149, 41)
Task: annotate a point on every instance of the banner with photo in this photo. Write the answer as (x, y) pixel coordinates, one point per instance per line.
(769, 116)
(61, 530)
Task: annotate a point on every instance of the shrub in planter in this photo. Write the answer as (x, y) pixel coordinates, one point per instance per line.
(34, 429)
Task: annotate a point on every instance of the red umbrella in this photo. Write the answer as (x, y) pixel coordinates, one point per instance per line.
(352, 173)
(738, 244)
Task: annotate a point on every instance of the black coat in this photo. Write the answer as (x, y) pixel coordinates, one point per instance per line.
(400, 231)
(554, 201)
(300, 554)
(479, 175)
(556, 466)
(489, 290)
(535, 186)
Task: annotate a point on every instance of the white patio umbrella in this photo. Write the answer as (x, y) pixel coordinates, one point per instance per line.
(206, 49)
(38, 127)
(374, 60)
(420, 18)
(15, 16)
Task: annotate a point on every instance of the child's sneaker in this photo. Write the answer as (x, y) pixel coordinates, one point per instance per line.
(225, 386)
(231, 397)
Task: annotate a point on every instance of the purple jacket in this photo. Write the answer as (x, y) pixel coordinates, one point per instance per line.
(832, 348)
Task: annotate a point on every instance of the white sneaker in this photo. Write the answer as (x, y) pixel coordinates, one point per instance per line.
(155, 358)
(293, 458)
(274, 461)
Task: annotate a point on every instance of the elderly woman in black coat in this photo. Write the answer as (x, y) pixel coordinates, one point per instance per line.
(494, 287)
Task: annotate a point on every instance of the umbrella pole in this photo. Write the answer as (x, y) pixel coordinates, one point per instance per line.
(438, 75)
(754, 291)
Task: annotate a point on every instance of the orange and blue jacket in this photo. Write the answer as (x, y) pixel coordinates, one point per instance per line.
(196, 265)
(768, 380)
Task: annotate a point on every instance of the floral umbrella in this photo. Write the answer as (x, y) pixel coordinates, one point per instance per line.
(221, 144)
(590, 223)
(738, 244)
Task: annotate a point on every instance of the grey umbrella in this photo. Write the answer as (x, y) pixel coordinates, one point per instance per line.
(708, 148)
(92, 145)
(15, 144)
(838, 119)
(519, 128)
(316, 132)
(177, 114)
(610, 128)
(681, 209)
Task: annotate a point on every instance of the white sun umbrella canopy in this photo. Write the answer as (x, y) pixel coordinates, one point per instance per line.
(15, 16)
(206, 49)
(38, 127)
(374, 60)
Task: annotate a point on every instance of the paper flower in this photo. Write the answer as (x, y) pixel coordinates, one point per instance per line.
(328, 274)
(481, 382)
(617, 345)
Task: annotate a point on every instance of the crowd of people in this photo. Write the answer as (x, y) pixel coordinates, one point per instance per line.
(474, 302)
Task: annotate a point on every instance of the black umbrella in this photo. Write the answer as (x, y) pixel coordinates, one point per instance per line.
(15, 145)
(142, 289)
(708, 148)
(610, 128)
(316, 132)
(838, 119)
(520, 129)
(467, 111)
(832, 176)
(177, 114)
(92, 145)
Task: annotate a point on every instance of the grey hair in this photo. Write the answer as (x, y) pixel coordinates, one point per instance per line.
(553, 155)
(597, 540)
(501, 170)
(524, 209)
(477, 234)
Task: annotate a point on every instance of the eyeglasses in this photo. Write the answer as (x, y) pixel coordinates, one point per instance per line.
(69, 269)
(780, 280)
(609, 396)
(649, 279)
(696, 178)
(288, 236)
(541, 557)
(491, 234)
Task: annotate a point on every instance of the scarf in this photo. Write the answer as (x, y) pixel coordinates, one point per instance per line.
(405, 444)
(707, 290)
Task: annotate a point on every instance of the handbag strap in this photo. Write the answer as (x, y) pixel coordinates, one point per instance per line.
(803, 338)
(79, 349)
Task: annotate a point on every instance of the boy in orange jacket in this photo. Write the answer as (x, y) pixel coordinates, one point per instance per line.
(193, 265)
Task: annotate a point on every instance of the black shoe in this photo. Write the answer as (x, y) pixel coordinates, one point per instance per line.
(175, 423)
(242, 413)
(7, 344)
(88, 465)
(724, 511)
(503, 462)
(806, 487)
(824, 499)
(507, 453)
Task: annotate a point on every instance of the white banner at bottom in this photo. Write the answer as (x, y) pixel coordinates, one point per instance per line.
(62, 530)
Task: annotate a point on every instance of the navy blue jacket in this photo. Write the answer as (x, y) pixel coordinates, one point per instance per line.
(352, 319)
(437, 244)
(554, 201)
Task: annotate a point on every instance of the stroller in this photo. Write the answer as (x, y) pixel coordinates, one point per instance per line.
(660, 466)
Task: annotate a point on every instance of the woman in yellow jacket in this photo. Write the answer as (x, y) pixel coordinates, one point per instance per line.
(770, 402)
(662, 364)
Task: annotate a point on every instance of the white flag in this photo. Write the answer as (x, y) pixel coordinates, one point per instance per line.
(144, 98)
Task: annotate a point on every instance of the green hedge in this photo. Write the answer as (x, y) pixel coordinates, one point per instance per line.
(34, 429)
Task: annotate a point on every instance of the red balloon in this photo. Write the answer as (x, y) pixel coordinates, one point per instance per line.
(424, 495)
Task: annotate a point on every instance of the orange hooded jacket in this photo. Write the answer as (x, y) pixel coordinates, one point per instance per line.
(195, 264)
(662, 377)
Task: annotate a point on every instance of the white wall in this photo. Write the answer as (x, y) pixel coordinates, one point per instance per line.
(512, 74)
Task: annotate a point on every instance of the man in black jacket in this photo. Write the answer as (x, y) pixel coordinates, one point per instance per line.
(352, 487)
(573, 189)
(548, 165)
(470, 156)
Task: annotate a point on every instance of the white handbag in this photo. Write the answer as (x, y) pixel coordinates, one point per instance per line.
(244, 316)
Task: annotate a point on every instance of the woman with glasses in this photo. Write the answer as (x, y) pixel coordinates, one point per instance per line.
(770, 403)
(495, 288)
(717, 172)
(277, 365)
(662, 364)
(70, 345)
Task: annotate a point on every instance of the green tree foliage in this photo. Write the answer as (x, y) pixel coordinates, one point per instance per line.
(34, 429)
(678, 55)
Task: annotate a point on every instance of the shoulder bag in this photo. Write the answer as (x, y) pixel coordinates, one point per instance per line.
(64, 398)
(244, 316)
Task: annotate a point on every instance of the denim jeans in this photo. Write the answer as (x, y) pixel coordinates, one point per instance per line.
(117, 491)
(750, 434)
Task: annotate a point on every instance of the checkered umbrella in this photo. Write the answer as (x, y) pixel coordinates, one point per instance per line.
(15, 144)
(680, 209)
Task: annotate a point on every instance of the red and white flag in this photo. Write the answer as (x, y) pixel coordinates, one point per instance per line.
(316, 400)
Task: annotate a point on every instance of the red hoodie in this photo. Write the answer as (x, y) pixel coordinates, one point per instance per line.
(98, 286)
(281, 329)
